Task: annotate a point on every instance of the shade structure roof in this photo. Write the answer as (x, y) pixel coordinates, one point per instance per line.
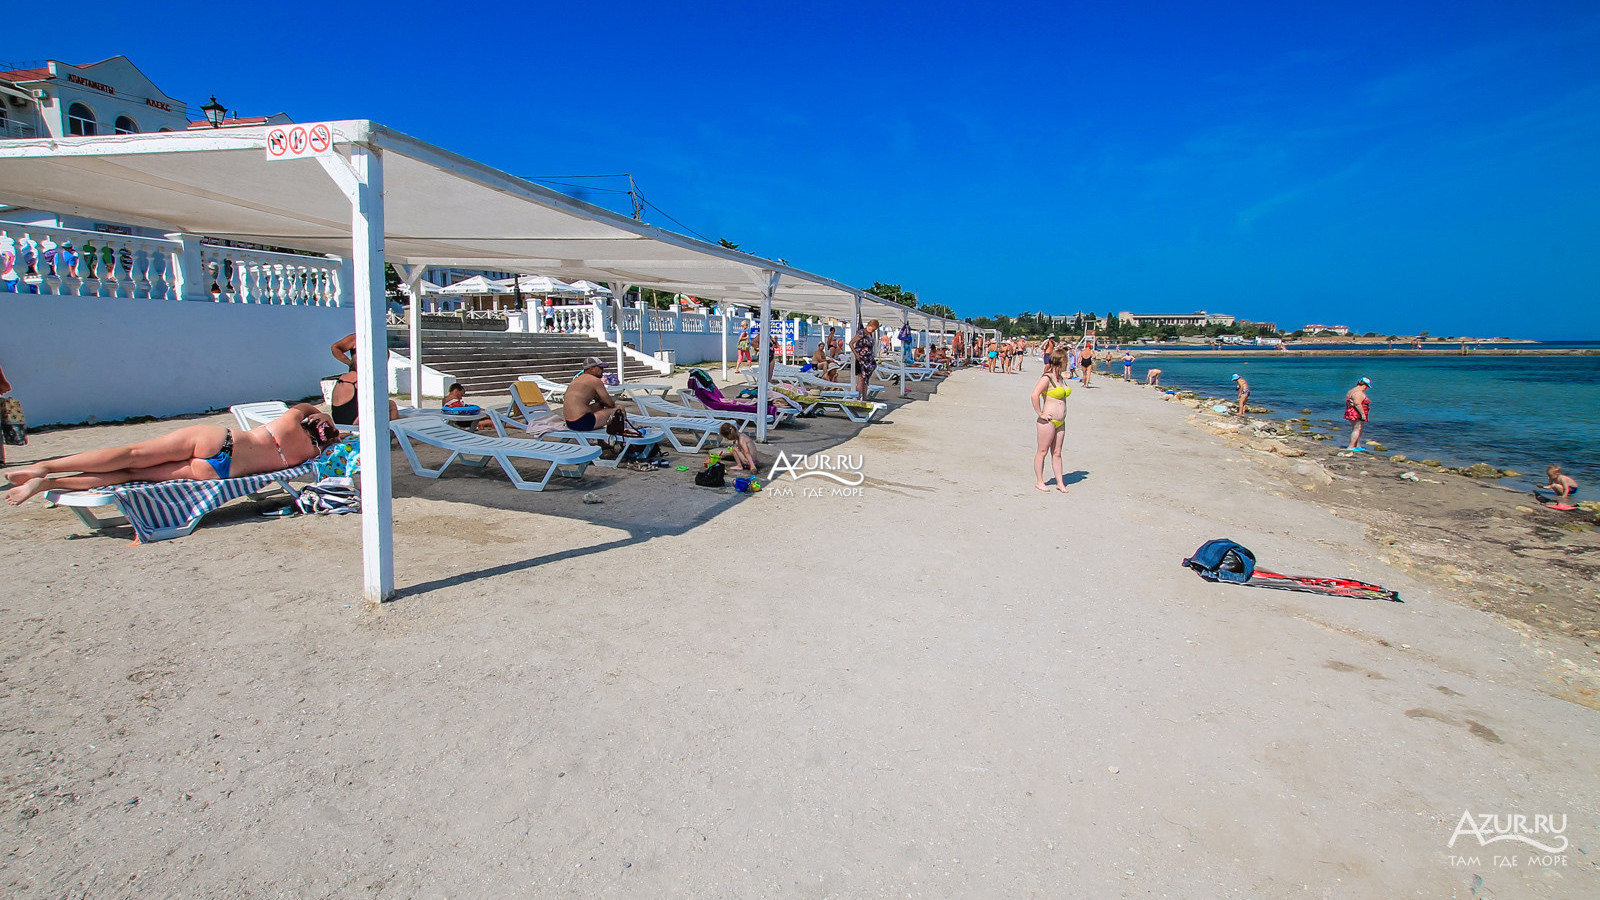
(439, 209)
(477, 284)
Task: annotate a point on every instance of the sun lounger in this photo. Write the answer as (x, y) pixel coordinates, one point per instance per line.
(890, 371)
(828, 388)
(477, 450)
(249, 415)
(659, 408)
(811, 404)
(160, 511)
(549, 388)
(528, 405)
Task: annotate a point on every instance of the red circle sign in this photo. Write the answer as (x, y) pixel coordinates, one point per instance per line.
(297, 140)
(321, 138)
(277, 142)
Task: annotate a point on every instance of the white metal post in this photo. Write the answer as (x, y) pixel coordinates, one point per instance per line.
(766, 355)
(413, 279)
(362, 181)
(723, 315)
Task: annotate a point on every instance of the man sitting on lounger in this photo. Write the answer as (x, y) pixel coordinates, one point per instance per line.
(588, 406)
(200, 452)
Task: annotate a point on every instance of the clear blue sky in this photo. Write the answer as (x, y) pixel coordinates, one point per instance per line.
(1393, 167)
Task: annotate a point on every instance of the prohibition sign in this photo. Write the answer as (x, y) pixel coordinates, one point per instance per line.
(321, 138)
(277, 142)
(297, 140)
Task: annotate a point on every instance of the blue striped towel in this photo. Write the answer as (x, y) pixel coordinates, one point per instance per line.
(167, 509)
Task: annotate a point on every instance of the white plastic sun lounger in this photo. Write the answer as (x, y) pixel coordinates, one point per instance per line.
(659, 408)
(855, 410)
(528, 405)
(690, 402)
(829, 388)
(476, 450)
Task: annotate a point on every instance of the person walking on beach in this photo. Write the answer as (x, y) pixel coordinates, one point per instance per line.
(862, 345)
(1086, 362)
(1047, 348)
(1244, 393)
(1050, 415)
(1357, 410)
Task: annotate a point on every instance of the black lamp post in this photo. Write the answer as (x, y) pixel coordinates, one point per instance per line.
(214, 112)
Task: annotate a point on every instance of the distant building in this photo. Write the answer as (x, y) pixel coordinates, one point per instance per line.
(57, 99)
(1327, 329)
(1196, 319)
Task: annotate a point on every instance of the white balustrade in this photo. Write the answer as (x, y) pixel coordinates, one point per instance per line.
(262, 276)
(568, 319)
(75, 263)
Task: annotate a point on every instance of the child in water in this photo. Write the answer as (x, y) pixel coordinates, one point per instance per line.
(742, 445)
(1563, 486)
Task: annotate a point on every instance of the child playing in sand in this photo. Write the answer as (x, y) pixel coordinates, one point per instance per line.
(742, 445)
(1563, 486)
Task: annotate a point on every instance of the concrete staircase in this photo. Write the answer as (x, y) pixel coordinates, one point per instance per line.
(485, 362)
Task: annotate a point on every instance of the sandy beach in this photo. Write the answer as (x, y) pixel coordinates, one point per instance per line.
(951, 685)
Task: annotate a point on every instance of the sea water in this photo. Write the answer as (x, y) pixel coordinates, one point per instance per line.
(1512, 412)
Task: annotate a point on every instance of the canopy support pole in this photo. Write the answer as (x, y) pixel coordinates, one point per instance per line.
(619, 303)
(723, 310)
(361, 179)
(413, 279)
(767, 291)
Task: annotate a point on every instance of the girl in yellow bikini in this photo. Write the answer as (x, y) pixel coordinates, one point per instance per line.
(1050, 406)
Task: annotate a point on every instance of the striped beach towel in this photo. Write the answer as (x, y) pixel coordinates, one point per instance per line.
(168, 509)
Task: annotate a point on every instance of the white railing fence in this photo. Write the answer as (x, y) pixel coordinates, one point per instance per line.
(74, 263)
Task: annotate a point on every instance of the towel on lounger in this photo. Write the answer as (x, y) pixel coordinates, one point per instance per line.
(153, 507)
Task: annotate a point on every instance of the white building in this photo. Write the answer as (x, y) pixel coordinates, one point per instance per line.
(112, 96)
(1198, 319)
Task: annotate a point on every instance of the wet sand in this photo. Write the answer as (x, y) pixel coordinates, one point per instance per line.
(950, 685)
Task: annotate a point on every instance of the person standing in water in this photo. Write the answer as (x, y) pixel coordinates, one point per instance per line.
(1244, 393)
(1127, 365)
(1357, 411)
(1050, 411)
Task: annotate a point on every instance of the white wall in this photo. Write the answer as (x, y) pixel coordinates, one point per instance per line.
(81, 359)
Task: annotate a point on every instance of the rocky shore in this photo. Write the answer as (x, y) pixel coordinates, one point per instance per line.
(1497, 548)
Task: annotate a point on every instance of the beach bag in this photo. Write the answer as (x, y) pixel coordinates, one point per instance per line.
(1223, 560)
(329, 497)
(713, 476)
(13, 425)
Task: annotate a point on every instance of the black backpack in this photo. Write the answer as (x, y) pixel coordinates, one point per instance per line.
(1223, 560)
(711, 476)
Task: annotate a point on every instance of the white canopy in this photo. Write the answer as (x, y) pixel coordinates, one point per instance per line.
(441, 210)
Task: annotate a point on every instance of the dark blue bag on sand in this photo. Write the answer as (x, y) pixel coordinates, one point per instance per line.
(1223, 560)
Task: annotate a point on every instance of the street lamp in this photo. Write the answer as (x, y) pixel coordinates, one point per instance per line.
(214, 112)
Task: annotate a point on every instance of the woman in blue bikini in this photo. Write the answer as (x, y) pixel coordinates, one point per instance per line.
(199, 452)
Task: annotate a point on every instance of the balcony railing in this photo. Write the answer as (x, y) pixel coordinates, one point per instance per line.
(11, 128)
(74, 263)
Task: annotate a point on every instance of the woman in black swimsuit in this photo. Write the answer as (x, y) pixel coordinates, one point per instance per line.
(342, 402)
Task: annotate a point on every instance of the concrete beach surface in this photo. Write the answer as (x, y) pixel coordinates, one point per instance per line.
(951, 685)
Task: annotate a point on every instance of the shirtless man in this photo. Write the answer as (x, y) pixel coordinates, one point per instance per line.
(588, 406)
(1357, 410)
(1152, 377)
(1244, 393)
(198, 452)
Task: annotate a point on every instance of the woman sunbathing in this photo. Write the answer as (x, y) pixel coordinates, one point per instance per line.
(201, 452)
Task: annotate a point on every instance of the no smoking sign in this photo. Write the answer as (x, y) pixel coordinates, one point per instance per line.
(299, 141)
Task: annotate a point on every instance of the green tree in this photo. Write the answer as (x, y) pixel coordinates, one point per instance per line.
(391, 284)
(728, 244)
(938, 309)
(893, 293)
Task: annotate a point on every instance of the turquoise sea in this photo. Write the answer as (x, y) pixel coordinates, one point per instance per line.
(1514, 412)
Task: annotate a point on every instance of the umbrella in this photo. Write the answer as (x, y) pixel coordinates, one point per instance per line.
(477, 284)
(544, 284)
(589, 288)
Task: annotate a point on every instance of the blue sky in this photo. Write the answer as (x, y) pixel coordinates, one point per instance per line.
(1433, 166)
